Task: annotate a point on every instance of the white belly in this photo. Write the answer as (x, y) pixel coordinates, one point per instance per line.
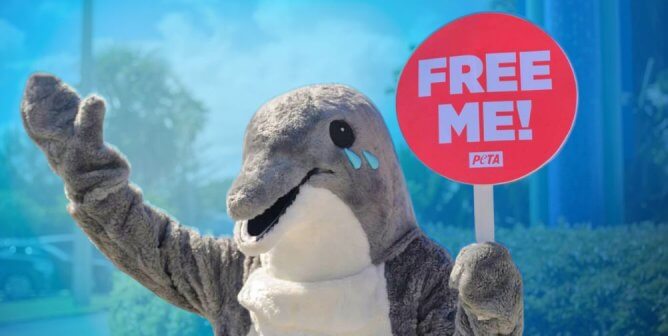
(318, 279)
(355, 305)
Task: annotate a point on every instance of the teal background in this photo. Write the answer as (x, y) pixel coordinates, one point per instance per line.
(182, 79)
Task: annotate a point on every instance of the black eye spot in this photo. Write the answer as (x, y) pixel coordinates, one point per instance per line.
(341, 133)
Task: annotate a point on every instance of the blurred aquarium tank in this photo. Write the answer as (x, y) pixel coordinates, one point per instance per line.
(588, 231)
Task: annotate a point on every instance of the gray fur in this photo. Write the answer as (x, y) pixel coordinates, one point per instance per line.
(199, 274)
(490, 291)
(421, 303)
(285, 139)
(483, 283)
(289, 136)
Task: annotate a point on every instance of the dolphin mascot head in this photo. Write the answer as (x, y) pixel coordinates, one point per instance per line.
(319, 167)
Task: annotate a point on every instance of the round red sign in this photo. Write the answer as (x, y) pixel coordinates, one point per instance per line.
(487, 99)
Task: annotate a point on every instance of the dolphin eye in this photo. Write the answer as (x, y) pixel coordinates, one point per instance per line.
(341, 133)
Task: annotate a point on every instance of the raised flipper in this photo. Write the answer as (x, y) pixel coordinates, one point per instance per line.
(200, 274)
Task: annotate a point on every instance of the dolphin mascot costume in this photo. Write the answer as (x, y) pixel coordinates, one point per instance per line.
(325, 240)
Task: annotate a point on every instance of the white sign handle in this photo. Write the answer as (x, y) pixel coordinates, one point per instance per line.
(483, 212)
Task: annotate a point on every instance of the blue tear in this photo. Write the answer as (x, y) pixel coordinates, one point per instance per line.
(355, 160)
(371, 159)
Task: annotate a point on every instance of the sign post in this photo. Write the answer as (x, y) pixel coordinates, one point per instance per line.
(487, 99)
(483, 212)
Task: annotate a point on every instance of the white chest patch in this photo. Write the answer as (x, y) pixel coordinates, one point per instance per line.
(323, 240)
(318, 279)
(355, 305)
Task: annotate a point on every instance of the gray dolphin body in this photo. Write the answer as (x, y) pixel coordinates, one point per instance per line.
(317, 155)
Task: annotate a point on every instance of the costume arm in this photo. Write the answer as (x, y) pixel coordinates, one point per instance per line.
(480, 294)
(200, 274)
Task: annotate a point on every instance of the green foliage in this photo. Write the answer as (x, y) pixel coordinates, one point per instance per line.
(134, 310)
(435, 198)
(153, 119)
(647, 173)
(584, 281)
(151, 116)
(31, 196)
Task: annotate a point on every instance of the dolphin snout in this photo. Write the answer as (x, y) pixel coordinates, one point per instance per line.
(239, 205)
(260, 183)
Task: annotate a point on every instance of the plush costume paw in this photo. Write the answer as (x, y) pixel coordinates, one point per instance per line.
(490, 287)
(70, 132)
(48, 110)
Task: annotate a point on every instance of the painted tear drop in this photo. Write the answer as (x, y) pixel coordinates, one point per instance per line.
(355, 160)
(371, 159)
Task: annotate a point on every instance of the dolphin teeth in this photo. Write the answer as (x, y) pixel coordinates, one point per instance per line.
(371, 159)
(354, 159)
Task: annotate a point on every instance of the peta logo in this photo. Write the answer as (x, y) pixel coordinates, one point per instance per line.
(485, 159)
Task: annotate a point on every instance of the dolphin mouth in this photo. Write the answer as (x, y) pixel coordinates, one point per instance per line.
(263, 223)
